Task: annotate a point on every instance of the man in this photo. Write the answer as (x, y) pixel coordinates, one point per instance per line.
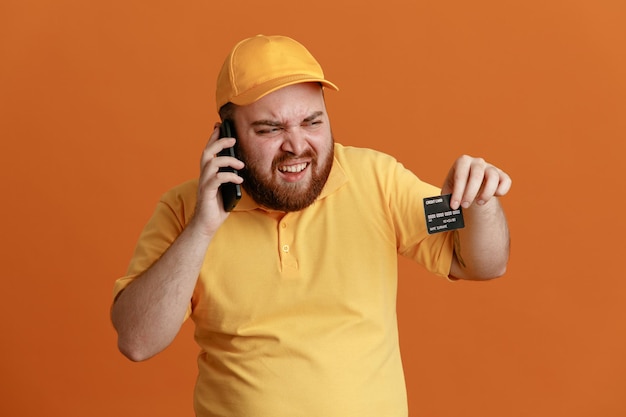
(293, 292)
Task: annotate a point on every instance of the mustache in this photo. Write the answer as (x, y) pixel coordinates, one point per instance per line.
(287, 156)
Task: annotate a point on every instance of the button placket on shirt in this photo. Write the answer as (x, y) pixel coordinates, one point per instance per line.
(285, 243)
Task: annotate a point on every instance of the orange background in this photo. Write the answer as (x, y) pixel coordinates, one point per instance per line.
(105, 105)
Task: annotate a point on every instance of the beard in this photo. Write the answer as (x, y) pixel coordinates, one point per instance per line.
(271, 192)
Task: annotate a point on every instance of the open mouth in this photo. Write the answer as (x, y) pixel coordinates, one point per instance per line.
(293, 169)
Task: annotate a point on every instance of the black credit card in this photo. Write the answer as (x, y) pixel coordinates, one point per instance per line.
(440, 217)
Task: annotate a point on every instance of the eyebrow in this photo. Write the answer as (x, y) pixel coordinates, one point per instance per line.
(268, 122)
(314, 116)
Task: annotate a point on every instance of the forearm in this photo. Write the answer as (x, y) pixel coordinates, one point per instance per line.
(150, 311)
(482, 247)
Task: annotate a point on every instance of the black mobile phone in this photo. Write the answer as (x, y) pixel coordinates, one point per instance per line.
(231, 192)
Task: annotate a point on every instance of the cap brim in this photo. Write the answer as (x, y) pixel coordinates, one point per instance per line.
(261, 90)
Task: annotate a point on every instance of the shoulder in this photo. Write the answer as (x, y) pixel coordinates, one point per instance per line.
(182, 190)
(181, 199)
(369, 167)
(361, 159)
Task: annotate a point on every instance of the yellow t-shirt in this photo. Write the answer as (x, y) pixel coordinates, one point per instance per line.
(296, 315)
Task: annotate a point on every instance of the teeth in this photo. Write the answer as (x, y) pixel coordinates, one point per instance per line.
(293, 168)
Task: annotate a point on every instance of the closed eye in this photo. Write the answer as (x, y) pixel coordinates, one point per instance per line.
(312, 124)
(313, 120)
(267, 127)
(268, 130)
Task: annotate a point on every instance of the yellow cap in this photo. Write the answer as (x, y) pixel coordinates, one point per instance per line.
(259, 65)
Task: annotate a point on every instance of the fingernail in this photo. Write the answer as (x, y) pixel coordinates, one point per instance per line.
(465, 204)
(481, 202)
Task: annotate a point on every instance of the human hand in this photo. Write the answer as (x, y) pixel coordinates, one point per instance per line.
(210, 213)
(474, 180)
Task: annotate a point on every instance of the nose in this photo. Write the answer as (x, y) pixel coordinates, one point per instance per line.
(294, 141)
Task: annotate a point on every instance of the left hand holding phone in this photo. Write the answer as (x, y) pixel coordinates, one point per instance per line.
(210, 207)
